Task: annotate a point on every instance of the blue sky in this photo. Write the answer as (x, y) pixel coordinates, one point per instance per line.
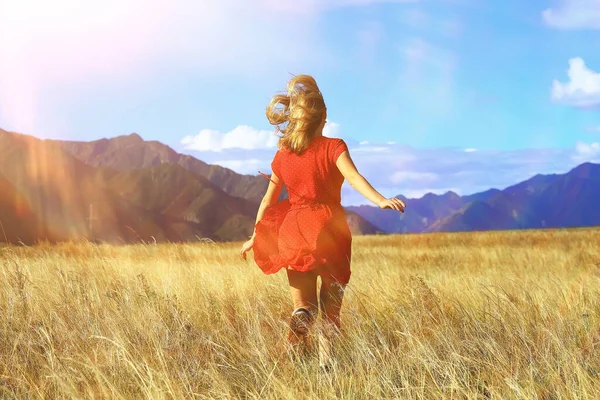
(514, 83)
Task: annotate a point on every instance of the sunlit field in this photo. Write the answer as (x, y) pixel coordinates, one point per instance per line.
(469, 315)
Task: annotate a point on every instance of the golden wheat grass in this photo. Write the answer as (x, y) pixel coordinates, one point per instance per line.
(469, 315)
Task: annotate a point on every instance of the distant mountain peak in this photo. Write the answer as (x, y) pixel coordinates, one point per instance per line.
(132, 138)
(586, 170)
(450, 194)
(447, 195)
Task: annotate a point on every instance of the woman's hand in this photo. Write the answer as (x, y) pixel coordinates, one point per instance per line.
(393, 203)
(246, 247)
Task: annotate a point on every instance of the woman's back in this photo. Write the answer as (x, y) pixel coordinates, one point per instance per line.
(312, 176)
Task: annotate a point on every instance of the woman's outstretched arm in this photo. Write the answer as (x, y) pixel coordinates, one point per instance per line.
(358, 182)
(270, 197)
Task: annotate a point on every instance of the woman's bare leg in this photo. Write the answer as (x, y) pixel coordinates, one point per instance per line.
(331, 296)
(303, 288)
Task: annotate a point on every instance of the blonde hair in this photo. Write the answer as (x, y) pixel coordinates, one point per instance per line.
(298, 113)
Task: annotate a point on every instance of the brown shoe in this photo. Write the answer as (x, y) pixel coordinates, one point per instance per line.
(299, 328)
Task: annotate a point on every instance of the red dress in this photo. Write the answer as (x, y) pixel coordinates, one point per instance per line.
(308, 231)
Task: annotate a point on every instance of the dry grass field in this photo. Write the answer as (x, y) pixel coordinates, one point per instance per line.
(461, 316)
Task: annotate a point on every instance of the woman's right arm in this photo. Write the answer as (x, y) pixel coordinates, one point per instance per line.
(358, 182)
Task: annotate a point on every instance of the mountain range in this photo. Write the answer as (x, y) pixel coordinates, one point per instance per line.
(123, 190)
(126, 189)
(50, 194)
(564, 200)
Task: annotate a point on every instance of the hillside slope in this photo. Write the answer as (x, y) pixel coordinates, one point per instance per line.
(131, 152)
(48, 193)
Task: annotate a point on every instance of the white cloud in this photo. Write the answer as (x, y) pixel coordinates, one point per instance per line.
(583, 88)
(370, 149)
(574, 14)
(332, 130)
(587, 152)
(364, 142)
(246, 166)
(242, 137)
(470, 150)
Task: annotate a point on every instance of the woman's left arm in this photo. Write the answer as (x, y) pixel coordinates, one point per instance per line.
(271, 197)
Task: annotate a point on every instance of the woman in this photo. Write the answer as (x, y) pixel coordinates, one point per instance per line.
(308, 234)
